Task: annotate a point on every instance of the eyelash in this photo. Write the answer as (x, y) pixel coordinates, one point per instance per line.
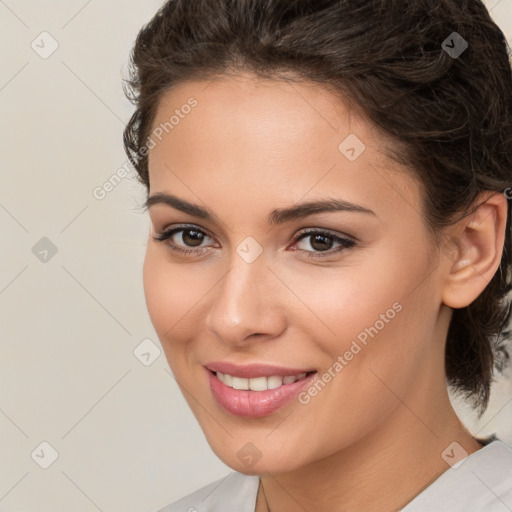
(345, 243)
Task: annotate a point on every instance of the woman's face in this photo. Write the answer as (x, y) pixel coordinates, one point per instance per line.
(361, 311)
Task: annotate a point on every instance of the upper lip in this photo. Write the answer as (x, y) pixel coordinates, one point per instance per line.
(249, 371)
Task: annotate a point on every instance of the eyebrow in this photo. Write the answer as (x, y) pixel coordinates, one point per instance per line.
(277, 216)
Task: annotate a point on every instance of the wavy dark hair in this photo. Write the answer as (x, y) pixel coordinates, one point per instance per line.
(448, 117)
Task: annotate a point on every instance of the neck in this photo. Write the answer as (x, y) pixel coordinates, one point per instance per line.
(382, 471)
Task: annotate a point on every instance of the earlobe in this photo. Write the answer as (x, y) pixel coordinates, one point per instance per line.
(473, 253)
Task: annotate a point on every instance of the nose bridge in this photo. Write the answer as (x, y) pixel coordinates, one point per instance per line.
(242, 304)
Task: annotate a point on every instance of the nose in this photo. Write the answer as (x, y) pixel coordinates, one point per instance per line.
(246, 303)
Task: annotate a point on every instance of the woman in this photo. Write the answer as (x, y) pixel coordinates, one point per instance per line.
(330, 244)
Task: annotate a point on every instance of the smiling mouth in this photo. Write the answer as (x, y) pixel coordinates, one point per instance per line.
(259, 383)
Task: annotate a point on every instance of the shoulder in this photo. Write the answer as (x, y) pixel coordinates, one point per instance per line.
(480, 482)
(235, 492)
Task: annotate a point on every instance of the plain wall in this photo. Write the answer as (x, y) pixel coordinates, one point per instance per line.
(71, 319)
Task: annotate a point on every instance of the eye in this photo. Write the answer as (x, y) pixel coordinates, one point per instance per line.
(190, 236)
(321, 241)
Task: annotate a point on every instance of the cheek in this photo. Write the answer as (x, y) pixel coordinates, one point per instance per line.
(342, 303)
(160, 298)
(370, 319)
(383, 343)
(377, 298)
(172, 296)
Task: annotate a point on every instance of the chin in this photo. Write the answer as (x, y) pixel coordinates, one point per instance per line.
(249, 460)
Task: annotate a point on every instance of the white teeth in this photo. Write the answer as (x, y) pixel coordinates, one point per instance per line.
(228, 380)
(258, 383)
(274, 382)
(240, 383)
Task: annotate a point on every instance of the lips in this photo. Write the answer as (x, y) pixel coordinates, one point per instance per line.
(252, 403)
(255, 404)
(251, 371)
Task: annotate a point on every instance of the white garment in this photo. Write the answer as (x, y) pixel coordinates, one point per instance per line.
(482, 482)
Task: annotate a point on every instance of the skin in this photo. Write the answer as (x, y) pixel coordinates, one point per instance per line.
(372, 439)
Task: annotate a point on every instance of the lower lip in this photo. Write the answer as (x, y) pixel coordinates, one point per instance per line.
(254, 404)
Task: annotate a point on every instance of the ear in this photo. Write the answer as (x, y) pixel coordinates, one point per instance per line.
(473, 250)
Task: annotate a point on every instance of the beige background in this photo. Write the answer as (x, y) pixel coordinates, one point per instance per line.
(125, 438)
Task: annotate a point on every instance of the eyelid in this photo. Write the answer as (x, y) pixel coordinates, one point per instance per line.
(302, 231)
(332, 232)
(345, 242)
(169, 231)
(178, 227)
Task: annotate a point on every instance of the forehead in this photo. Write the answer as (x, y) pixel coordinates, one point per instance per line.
(276, 138)
(247, 108)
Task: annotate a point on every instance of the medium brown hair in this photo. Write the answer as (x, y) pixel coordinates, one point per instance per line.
(449, 116)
